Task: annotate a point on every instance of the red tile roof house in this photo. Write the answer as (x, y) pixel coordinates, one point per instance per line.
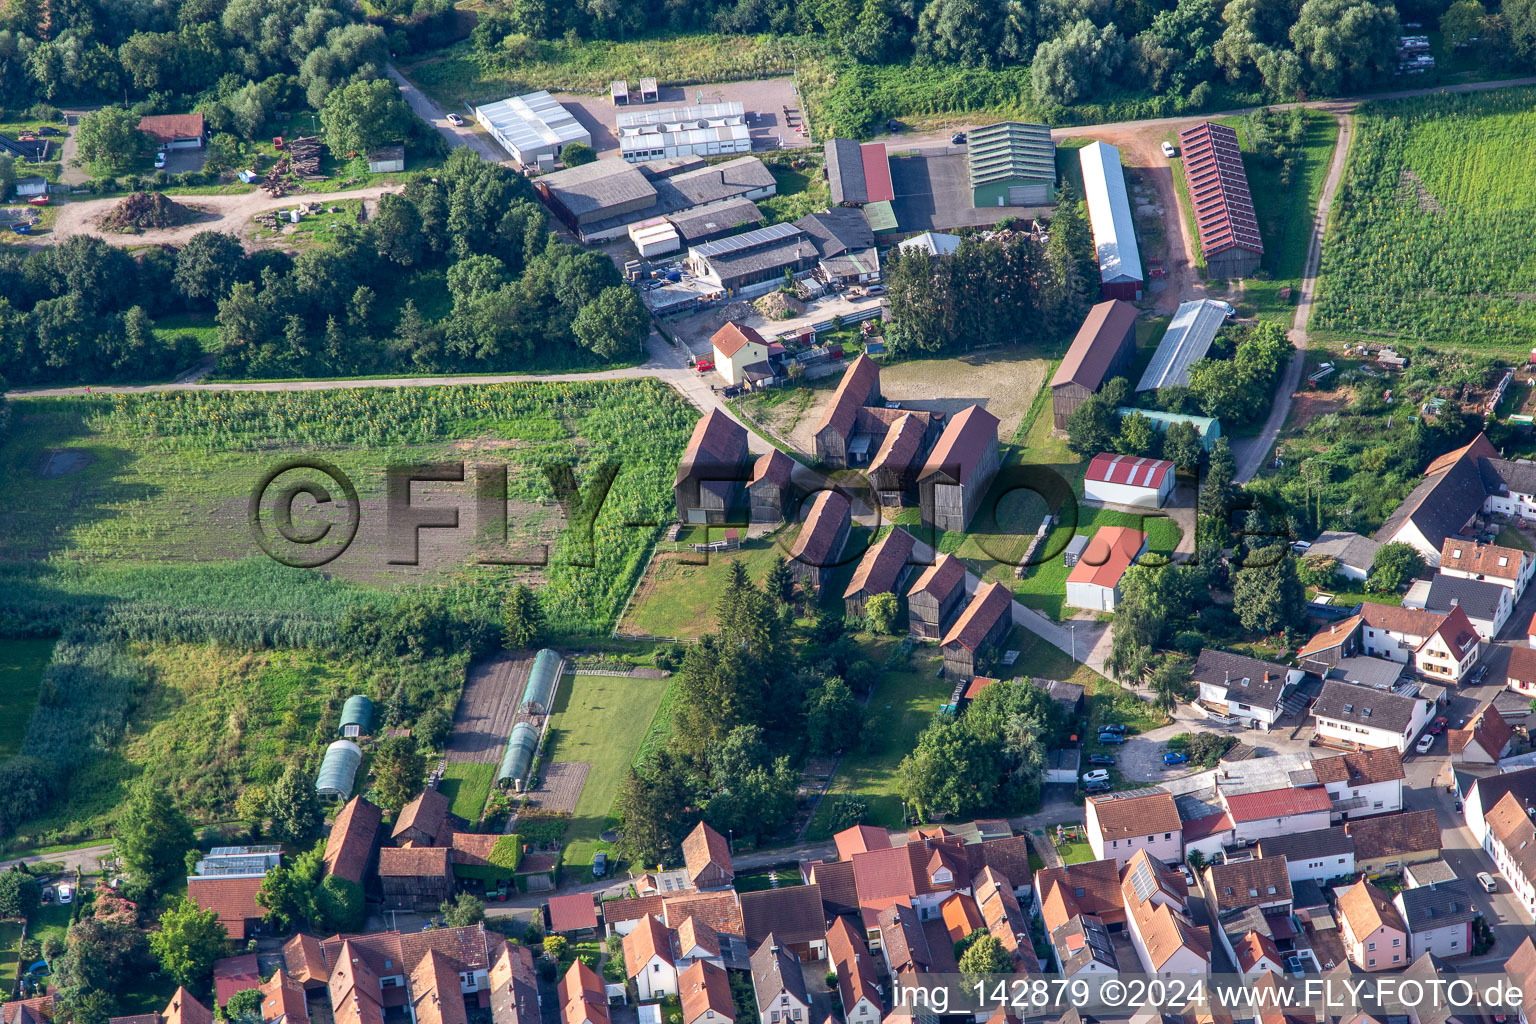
(1485, 740)
(936, 597)
(712, 471)
(571, 914)
(794, 914)
(859, 387)
(959, 470)
(856, 978)
(983, 625)
(1278, 812)
(818, 549)
(1119, 824)
(648, 960)
(707, 856)
(706, 994)
(882, 570)
(1094, 582)
(228, 884)
(736, 347)
(175, 131)
(283, 1000)
(234, 974)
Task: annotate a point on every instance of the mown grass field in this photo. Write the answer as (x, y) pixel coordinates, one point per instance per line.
(679, 591)
(10, 946)
(467, 786)
(600, 720)
(1431, 236)
(21, 674)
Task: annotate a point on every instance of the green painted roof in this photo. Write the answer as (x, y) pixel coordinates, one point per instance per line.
(881, 217)
(1011, 149)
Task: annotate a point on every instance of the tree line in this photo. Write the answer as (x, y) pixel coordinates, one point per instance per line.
(470, 238)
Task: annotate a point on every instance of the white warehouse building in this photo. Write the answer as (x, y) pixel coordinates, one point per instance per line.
(1127, 480)
(1109, 215)
(713, 129)
(533, 128)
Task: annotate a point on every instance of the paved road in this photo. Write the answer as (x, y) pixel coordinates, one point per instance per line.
(1250, 454)
(85, 858)
(228, 213)
(428, 110)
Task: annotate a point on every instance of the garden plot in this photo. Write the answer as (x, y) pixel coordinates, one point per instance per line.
(488, 708)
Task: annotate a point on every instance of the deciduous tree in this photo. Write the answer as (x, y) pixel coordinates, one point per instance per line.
(398, 770)
(189, 940)
(109, 139)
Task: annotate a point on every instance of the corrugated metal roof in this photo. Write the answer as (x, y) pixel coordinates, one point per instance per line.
(1187, 339)
(533, 120)
(1126, 469)
(1011, 150)
(1218, 189)
(1109, 213)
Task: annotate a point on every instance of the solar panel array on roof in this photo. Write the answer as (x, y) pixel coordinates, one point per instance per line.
(1187, 339)
(748, 240)
(1218, 189)
(1142, 881)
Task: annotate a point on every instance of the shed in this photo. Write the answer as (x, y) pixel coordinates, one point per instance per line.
(338, 770)
(543, 681)
(619, 91)
(518, 760)
(983, 625)
(1114, 229)
(388, 159)
(935, 598)
(1127, 480)
(1103, 349)
(654, 236)
(356, 717)
(32, 185)
(1012, 164)
(1094, 582)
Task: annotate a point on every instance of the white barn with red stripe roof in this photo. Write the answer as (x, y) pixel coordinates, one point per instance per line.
(1127, 480)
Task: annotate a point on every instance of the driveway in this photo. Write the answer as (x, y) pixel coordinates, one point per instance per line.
(470, 134)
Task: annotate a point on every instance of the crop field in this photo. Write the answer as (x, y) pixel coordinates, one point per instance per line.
(145, 497)
(600, 720)
(1431, 237)
(21, 675)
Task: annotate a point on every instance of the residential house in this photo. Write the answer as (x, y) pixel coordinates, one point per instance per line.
(415, 877)
(859, 387)
(779, 986)
(227, 879)
(1384, 844)
(960, 915)
(883, 570)
(175, 131)
(1520, 676)
(1004, 918)
(901, 941)
(1245, 688)
(818, 547)
(1374, 933)
(1250, 903)
(706, 994)
(1119, 824)
(1104, 348)
(712, 470)
(737, 346)
(857, 986)
(1363, 782)
(233, 974)
(648, 960)
(1487, 605)
(1257, 955)
(1094, 582)
(1209, 834)
(1313, 856)
(349, 847)
(1275, 812)
(1522, 965)
(1439, 918)
(436, 991)
(283, 1000)
(707, 856)
(582, 996)
(770, 495)
(304, 960)
(422, 821)
(983, 625)
(357, 993)
(1357, 717)
(184, 1008)
(860, 839)
(570, 914)
(514, 987)
(921, 875)
(1452, 492)
(1079, 906)
(1485, 740)
(1479, 795)
(1510, 568)
(935, 598)
(1353, 553)
(959, 470)
(1511, 839)
(1442, 646)
(1166, 939)
(792, 914)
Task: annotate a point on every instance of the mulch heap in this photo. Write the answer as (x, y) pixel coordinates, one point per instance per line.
(144, 210)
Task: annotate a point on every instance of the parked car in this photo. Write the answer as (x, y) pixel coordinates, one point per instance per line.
(1096, 787)
(1173, 757)
(49, 130)
(1295, 966)
(48, 894)
(1486, 880)
(875, 289)
(705, 365)
(1477, 675)
(1111, 737)
(957, 139)
(1101, 758)
(1114, 727)
(1097, 775)
(599, 865)
(1425, 742)
(67, 894)
(456, 120)
(1169, 151)
(1189, 876)
(160, 159)
(1438, 726)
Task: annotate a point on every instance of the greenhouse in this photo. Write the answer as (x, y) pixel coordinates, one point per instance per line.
(518, 760)
(338, 770)
(356, 717)
(543, 680)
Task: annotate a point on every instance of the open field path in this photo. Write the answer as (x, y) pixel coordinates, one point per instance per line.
(1251, 453)
(230, 214)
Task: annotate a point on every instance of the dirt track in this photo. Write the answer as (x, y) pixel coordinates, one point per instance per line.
(228, 213)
